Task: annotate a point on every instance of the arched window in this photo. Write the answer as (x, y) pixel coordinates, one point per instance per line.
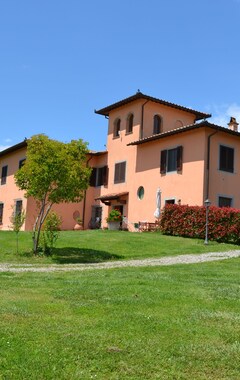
(157, 121)
(117, 126)
(129, 128)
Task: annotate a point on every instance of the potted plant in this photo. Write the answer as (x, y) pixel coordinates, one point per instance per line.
(114, 219)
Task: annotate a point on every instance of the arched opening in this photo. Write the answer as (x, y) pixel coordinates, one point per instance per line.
(157, 121)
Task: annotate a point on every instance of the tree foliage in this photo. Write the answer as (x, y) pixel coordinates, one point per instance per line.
(17, 219)
(54, 172)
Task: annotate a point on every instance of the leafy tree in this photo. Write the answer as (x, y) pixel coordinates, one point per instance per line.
(53, 172)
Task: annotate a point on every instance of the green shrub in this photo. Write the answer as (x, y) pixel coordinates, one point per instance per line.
(50, 232)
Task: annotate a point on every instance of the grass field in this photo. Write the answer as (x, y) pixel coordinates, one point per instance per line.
(164, 323)
(97, 246)
(177, 322)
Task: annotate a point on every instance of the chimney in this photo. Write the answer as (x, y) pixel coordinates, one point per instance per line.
(233, 125)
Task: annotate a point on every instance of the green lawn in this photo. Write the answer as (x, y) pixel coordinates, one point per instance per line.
(178, 322)
(98, 246)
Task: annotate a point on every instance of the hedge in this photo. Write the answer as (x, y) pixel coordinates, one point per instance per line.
(190, 221)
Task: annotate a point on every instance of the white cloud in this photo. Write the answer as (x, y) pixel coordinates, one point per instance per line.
(8, 140)
(221, 114)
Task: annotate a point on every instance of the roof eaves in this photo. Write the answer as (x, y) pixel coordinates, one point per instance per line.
(106, 110)
(14, 148)
(112, 196)
(185, 128)
(95, 153)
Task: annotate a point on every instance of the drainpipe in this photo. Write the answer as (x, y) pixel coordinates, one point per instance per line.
(84, 198)
(208, 162)
(141, 126)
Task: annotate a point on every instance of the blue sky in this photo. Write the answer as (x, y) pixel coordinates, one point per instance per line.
(61, 59)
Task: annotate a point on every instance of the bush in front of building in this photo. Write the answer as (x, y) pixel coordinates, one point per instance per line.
(50, 232)
(190, 221)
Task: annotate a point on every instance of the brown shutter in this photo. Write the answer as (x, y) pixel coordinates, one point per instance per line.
(92, 181)
(105, 175)
(116, 173)
(230, 159)
(179, 158)
(163, 162)
(4, 175)
(122, 171)
(21, 163)
(18, 208)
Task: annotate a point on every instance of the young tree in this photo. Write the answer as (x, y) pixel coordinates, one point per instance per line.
(17, 219)
(54, 172)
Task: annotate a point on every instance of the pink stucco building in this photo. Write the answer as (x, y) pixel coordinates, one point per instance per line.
(151, 144)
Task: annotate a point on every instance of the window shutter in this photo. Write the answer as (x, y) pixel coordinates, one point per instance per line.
(156, 124)
(163, 161)
(92, 181)
(21, 163)
(105, 175)
(99, 181)
(230, 159)
(18, 208)
(130, 124)
(226, 161)
(179, 158)
(122, 171)
(4, 175)
(116, 173)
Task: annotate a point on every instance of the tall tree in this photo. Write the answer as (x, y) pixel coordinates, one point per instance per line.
(54, 172)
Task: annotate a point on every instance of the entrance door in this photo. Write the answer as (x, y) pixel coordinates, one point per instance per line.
(96, 218)
(119, 208)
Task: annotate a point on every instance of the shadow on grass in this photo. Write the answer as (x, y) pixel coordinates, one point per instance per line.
(71, 255)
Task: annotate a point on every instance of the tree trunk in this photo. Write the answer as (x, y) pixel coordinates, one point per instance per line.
(44, 211)
(17, 243)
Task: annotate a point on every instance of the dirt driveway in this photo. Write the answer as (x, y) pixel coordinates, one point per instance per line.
(182, 259)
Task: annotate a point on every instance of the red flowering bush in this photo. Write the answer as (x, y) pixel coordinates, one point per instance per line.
(190, 221)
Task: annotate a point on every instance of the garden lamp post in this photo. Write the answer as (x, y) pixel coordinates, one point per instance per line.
(207, 204)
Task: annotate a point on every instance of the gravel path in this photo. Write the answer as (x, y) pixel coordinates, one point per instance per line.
(182, 259)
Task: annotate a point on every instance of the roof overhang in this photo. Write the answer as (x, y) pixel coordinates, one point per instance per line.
(105, 111)
(186, 128)
(95, 153)
(14, 148)
(119, 197)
